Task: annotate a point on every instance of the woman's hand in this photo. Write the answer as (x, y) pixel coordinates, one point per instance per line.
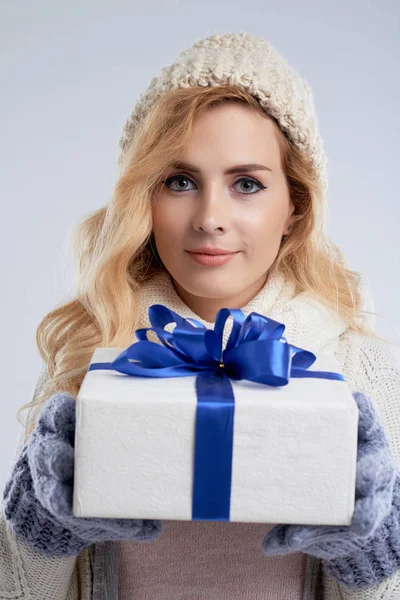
(376, 477)
(38, 496)
(51, 459)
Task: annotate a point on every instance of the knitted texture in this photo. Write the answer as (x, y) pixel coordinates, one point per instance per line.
(311, 325)
(374, 559)
(368, 364)
(51, 461)
(32, 522)
(38, 496)
(202, 560)
(374, 508)
(253, 64)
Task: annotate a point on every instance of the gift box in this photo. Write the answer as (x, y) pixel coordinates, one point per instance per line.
(261, 431)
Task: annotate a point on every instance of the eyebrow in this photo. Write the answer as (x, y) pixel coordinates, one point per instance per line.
(239, 168)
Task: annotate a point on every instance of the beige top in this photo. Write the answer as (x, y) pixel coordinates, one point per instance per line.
(199, 560)
(368, 364)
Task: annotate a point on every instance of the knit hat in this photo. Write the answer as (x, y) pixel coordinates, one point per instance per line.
(252, 63)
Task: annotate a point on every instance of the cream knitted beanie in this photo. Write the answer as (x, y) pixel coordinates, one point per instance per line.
(253, 64)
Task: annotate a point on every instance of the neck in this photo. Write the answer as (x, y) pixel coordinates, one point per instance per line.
(308, 323)
(207, 308)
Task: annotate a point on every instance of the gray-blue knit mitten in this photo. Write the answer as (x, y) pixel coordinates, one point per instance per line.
(368, 550)
(38, 495)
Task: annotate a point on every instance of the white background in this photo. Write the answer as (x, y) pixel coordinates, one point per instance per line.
(70, 73)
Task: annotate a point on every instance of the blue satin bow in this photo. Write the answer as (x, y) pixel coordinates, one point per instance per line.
(255, 351)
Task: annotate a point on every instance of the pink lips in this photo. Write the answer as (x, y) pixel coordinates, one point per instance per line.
(211, 259)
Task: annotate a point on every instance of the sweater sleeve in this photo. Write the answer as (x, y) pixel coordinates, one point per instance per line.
(373, 366)
(24, 572)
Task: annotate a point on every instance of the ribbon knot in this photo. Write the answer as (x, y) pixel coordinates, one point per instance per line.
(256, 350)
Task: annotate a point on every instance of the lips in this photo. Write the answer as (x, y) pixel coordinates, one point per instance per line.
(203, 258)
(211, 251)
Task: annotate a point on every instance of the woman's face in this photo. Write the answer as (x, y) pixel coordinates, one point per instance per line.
(214, 200)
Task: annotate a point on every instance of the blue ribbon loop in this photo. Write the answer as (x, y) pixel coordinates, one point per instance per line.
(256, 350)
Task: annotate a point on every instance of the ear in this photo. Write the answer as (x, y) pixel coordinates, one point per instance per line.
(289, 221)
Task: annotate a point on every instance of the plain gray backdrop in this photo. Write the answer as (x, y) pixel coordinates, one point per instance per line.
(72, 72)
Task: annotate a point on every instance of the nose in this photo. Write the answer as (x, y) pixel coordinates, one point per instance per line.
(213, 211)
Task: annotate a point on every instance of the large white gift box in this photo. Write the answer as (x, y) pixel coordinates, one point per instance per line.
(293, 459)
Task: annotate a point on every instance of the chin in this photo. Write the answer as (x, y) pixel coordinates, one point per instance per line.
(207, 286)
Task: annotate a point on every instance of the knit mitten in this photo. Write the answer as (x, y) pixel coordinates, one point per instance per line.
(367, 550)
(38, 495)
(369, 561)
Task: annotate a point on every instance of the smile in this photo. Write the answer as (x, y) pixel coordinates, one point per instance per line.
(211, 260)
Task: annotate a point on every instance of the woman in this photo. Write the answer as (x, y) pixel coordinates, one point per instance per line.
(221, 153)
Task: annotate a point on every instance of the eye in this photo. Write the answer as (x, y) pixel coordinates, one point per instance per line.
(247, 180)
(166, 182)
(251, 181)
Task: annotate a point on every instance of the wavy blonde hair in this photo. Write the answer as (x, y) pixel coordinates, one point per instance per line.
(115, 252)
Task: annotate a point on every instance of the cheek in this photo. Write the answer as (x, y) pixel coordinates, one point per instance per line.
(166, 223)
(265, 226)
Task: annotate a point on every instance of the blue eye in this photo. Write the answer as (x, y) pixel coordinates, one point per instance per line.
(252, 181)
(173, 178)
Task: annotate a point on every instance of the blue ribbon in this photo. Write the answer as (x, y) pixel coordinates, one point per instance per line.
(256, 351)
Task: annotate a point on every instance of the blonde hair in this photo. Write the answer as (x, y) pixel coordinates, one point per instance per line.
(115, 253)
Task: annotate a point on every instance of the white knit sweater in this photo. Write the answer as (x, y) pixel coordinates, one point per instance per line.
(368, 364)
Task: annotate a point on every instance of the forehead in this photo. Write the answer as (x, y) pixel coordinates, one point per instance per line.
(232, 134)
